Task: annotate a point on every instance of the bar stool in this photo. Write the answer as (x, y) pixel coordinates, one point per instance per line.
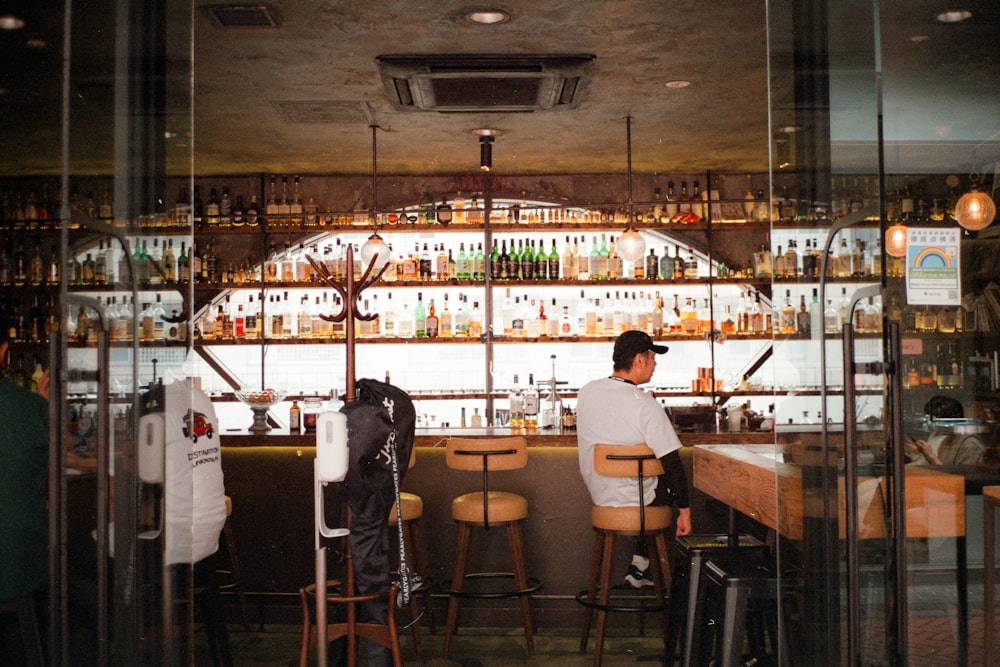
(612, 522)
(991, 499)
(233, 574)
(383, 634)
(692, 552)
(738, 601)
(487, 509)
(411, 507)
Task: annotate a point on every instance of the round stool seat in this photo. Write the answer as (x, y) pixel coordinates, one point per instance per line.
(626, 519)
(411, 506)
(229, 507)
(502, 507)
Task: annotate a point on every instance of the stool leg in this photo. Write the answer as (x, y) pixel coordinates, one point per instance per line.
(691, 638)
(457, 583)
(661, 578)
(733, 626)
(234, 568)
(406, 534)
(306, 628)
(603, 595)
(416, 544)
(588, 611)
(521, 580)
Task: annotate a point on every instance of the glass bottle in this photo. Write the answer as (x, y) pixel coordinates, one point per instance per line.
(530, 402)
(516, 401)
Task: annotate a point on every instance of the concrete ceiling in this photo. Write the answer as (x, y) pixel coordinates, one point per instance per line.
(299, 97)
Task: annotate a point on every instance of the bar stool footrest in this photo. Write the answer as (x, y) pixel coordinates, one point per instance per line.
(534, 585)
(638, 602)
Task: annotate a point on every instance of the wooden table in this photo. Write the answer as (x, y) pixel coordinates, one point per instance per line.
(757, 481)
(991, 499)
(765, 483)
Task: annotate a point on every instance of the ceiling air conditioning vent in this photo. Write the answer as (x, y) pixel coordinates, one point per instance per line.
(484, 83)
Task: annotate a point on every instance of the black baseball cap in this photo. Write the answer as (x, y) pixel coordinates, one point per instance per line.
(631, 343)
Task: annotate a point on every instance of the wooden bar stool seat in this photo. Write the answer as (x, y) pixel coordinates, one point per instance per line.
(609, 524)
(489, 509)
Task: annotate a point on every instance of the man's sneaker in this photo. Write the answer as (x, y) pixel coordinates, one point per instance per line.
(638, 578)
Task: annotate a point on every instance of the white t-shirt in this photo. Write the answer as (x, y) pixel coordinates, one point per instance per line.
(195, 504)
(613, 412)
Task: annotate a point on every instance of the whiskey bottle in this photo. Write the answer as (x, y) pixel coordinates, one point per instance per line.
(531, 400)
(516, 401)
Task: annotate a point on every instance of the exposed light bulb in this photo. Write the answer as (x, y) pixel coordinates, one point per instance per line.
(631, 246)
(895, 240)
(975, 210)
(375, 250)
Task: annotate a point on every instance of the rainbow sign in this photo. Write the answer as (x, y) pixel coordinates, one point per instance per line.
(931, 257)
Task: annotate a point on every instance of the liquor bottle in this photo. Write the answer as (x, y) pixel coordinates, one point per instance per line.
(432, 321)
(197, 209)
(803, 321)
(284, 203)
(424, 264)
(475, 321)
(253, 321)
(705, 321)
(762, 262)
(239, 323)
(603, 259)
(182, 208)
(551, 324)
(553, 262)
(678, 264)
(666, 269)
(531, 400)
(496, 269)
(389, 321)
(52, 271)
(831, 318)
(566, 327)
(225, 208)
(756, 316)
(238, 217)
(689, 318)
(37, 265)
(594, 263)
(141, 262)
(168, 264)
(295, 418)
(463, 269)
(569, 261)
(652, 267)
(516, 399)
(691, 266)
(670, 205)
(252, 212)
(787, 318)
(212, 208)
(791, 259)
(479, 264)
(461, 318)
(458, 210)
(527, 261)
(446, 324)
(582, 258)
(614, 262)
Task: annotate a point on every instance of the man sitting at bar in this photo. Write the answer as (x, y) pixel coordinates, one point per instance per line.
(614, 411)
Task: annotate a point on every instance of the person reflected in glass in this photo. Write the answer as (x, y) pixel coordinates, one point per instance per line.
(943, 446)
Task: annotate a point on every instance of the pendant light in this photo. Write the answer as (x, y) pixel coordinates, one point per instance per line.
(375, 250)
(630, 245)
(895, 240)
(975, 209)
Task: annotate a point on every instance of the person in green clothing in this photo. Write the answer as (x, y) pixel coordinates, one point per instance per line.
(24, 452)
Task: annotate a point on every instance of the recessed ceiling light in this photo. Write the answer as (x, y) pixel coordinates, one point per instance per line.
(35, 43)
(488, 16)
(789, 129)
(11, 23)
(954, 16)
(919, 39)
(679, 83)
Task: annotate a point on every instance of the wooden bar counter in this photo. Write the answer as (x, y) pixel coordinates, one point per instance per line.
(435, 437)
(759, 482)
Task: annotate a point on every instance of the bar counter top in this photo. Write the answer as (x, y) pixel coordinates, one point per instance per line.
(434, 437)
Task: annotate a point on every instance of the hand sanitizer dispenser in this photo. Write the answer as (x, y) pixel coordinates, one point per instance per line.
(331, 446)
(151, 448)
